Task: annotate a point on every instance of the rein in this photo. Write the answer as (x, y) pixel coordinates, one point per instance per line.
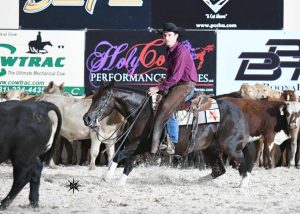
(137, 111)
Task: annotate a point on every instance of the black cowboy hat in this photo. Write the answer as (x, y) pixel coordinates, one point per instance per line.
(168, 27)
(171, 27)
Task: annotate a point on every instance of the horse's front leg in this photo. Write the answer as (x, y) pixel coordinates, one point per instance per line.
(128, 168)
(110, 172)
(120, 155)
(127, 155)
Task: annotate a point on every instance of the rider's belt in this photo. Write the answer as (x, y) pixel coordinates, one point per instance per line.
(189, 83)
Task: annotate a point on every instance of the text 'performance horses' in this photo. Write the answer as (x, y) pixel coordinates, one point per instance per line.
(229, 136)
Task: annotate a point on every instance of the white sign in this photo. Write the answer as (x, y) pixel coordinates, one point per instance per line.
(30, 59)
(9, 11)
(267, 57)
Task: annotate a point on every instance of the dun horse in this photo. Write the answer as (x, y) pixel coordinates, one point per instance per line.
(229, 136)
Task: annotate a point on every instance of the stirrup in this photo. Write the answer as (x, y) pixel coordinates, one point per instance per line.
(170, 149)
(162, 146)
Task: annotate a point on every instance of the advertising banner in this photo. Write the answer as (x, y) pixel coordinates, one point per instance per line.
(29, 60)
(219, 14)
(267, 57)
(9, 11)
(137, 58)
(81, 14)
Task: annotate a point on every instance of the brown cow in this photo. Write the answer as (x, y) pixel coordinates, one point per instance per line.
(288, 95)
(265, 119)
(293, 109)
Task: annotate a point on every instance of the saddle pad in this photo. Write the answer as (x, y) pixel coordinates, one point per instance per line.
(211, 115)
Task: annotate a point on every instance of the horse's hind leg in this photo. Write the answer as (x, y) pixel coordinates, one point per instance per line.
(245, 164)
(213, 159)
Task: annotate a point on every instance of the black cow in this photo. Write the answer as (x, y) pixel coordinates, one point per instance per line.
(28, 132)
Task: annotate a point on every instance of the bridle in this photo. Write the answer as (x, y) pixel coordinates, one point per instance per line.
(124, 135)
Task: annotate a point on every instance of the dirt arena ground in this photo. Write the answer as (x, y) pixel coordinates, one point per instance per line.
(159, 190)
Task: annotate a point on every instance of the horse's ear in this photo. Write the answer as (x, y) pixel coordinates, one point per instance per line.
(111, 84)
(102, 85)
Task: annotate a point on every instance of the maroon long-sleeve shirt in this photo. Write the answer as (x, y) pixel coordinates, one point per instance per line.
(180, 67)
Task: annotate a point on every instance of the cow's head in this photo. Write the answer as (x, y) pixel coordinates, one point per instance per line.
(288, 95)
(264, 91)
(52, 88)
(248, 91)
(293, 114)
(13, 95)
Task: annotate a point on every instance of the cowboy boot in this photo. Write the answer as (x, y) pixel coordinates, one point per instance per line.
(167, 146)
(170, 147)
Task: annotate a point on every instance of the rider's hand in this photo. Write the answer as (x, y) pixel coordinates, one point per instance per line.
(153, 90)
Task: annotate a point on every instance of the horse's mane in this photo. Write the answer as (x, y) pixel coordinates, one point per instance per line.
(130, 88)
(124, 87)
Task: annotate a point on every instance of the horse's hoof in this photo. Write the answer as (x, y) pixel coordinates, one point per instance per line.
(104, 179)
(107, 177)
(245, 182)
(121, 184)
(205, 179)
(122, 180)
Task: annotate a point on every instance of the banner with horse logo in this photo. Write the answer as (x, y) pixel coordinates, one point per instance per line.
(137, 58)
(30, 59)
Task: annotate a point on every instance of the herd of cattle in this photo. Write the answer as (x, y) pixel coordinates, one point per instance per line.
(30, 128)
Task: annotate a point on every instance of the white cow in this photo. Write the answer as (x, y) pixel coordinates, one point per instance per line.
(73, 128)
(258, 91)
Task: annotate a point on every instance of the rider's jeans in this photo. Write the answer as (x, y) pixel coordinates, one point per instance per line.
(172, 124)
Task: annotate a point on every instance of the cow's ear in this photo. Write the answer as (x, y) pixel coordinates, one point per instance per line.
(3, 94)
(61, 87)
(23, 94)
(50, 85)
